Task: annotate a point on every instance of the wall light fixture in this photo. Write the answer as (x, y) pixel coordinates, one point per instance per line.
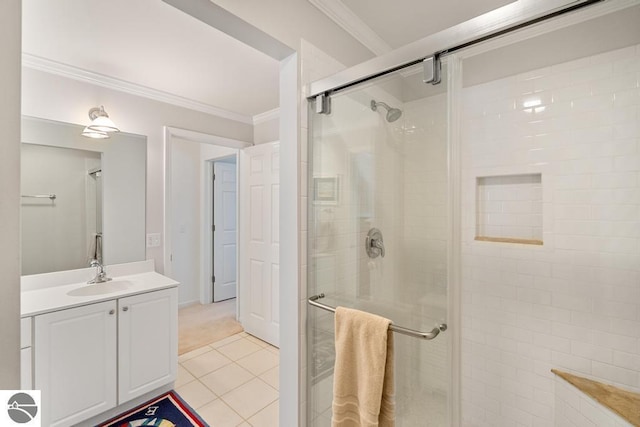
(101, 125)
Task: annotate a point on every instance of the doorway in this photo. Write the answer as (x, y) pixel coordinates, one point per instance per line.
(246, 257)
(189, 245)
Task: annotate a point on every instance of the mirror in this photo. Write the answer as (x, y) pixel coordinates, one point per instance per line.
(82, 199)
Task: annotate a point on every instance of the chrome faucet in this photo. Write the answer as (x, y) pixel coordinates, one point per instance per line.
(101, 275)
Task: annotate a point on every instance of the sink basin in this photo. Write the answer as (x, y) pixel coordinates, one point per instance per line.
(100, 288)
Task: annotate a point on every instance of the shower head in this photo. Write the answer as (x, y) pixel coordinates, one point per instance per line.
(393, 114)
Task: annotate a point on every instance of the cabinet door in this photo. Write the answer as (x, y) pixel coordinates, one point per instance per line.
(148, 342)
(75, 363)
(25, 369)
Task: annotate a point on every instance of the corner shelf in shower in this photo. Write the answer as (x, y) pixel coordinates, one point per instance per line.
(624, 403)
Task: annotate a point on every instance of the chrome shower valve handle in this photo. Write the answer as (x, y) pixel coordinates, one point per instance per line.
(374, 243)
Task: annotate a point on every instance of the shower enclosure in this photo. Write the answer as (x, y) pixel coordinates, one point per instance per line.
(503, 202)
(379, 234)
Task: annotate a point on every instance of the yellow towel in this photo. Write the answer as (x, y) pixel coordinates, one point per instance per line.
(363, 383)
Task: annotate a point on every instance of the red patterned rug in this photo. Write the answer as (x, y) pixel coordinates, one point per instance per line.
(167, 410)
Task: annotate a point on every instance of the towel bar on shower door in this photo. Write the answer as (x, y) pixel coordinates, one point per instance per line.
(40, 196)
(313, 300)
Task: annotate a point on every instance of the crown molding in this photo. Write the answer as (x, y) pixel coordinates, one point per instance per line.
(349, 21)
(205, 138)
(69, 71)
(266, 116)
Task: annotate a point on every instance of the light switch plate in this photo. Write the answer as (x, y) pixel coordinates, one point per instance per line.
(153, 240)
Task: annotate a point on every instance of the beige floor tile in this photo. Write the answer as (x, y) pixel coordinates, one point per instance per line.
(225, 341)
(274, 350)
(226, 378)
(250, 398)
(257, 341)
(205, 363)
(239, 349)
(244, 424)
(219, 414)
(194, 353)
(183, 377)
(272, 377)
(196, 394)
(259, 362)
(268, 417)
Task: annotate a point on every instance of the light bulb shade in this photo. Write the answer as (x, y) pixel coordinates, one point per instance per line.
(103, 124)
(95, 134)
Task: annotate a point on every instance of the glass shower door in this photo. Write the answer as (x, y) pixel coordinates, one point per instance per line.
(380, 161)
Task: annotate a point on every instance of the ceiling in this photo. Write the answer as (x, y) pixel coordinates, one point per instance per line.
(385, 26)
(150, 44)
(401, 22)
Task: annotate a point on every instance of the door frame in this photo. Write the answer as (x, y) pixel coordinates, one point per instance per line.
(203, 138)
(206, 292)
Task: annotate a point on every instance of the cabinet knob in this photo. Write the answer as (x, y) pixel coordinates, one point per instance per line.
(112, 311)
(125, 308)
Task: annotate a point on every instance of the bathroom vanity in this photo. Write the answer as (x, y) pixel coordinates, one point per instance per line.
(91, 348)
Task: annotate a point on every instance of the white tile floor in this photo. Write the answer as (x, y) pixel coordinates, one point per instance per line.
(233, 382)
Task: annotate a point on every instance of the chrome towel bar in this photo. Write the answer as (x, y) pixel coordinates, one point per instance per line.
(313, 300)
(40, 196)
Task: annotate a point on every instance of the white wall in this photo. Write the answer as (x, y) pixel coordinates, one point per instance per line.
(573, 303)
(189, 170)
(266, 131)
(58, 98)
(10, 49)
(186, 230)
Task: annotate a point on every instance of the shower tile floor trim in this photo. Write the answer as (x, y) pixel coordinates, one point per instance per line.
(232, 382)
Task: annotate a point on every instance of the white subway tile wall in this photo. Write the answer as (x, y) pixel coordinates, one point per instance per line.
(573, 303)
(573, 408)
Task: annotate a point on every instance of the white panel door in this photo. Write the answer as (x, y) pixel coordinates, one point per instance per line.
(147, 342)
(75, 363)
(260, 249)
(225, 231)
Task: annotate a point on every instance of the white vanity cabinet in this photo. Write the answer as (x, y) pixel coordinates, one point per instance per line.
(90, 359)
(147, 341)
(26, 382)
(75, 362)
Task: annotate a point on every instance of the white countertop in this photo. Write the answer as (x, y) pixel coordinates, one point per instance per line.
(39, 301)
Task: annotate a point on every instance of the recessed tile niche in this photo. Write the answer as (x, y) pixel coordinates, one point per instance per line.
(509, 209)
